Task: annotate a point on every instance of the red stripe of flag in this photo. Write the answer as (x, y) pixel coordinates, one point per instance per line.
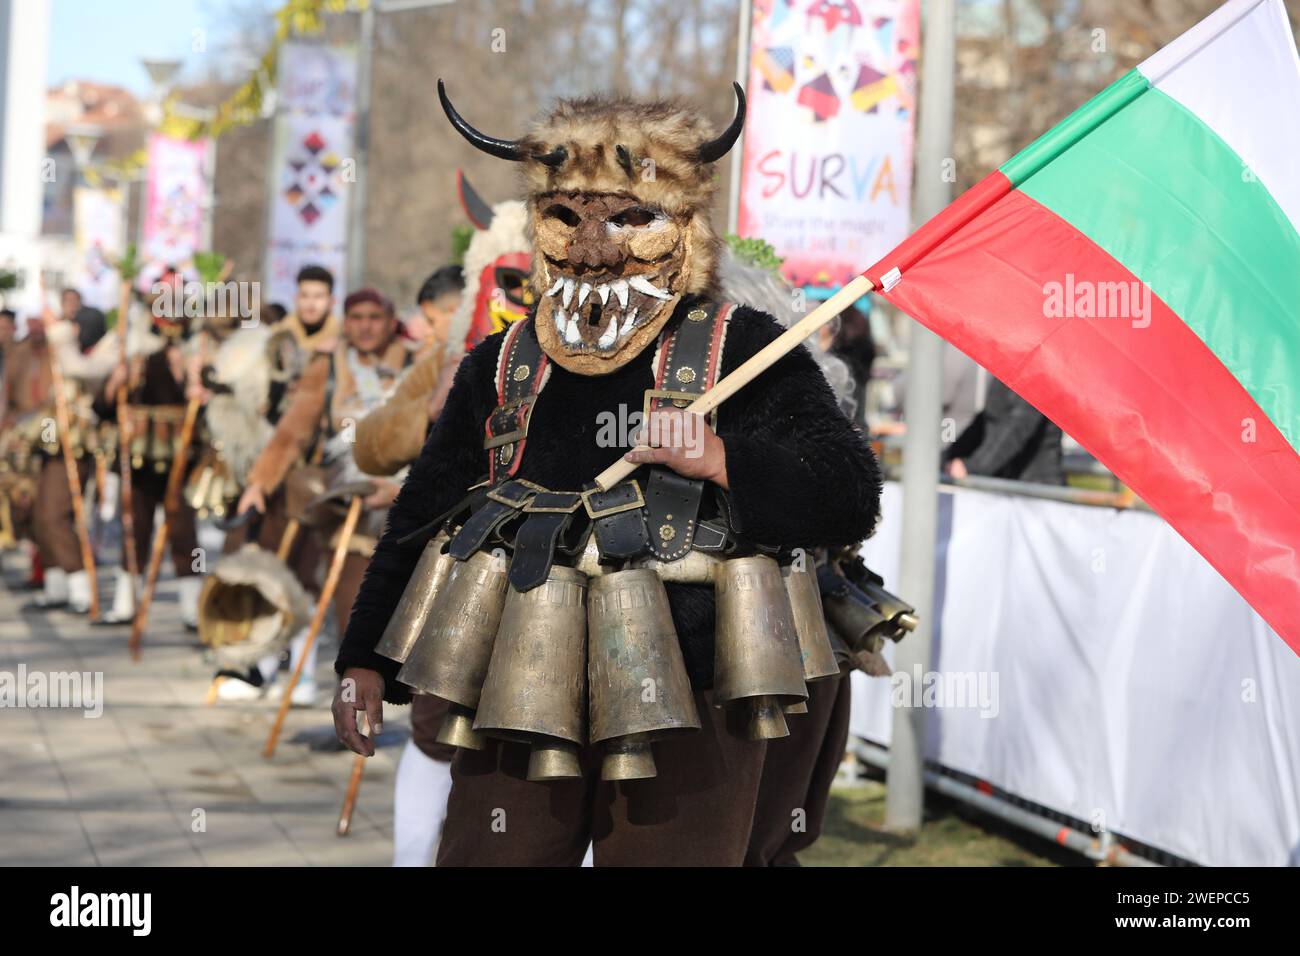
(1153, 404)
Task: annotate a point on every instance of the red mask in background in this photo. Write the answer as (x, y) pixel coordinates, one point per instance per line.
(504, 296)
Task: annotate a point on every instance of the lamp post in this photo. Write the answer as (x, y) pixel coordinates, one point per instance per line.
(366, 53)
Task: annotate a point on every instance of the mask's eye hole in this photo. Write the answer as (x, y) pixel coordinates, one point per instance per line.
(563, 213)
(635, 216)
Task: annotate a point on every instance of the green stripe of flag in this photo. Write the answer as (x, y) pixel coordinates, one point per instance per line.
(1162, 193)
(1074, 127)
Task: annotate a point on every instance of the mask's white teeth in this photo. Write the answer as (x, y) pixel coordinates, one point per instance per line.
(568, 292)
(584, 290)
(559, 284)
(571, 334)
(607, 337)
(602, 290)
(642, 284)
(620, 290)
(559, 320)
(627, 324)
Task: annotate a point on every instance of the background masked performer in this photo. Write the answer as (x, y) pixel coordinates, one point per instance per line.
(337, 389)
(625, 267)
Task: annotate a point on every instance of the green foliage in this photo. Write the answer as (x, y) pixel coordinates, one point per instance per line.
(128, 266)
(209, 265)
(460, 239)
(8, 280)
(754, 252)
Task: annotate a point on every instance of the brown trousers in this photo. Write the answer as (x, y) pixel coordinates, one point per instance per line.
(53, 527)
(147, 492)
(427, 714)
(696, 812)
(797, 777)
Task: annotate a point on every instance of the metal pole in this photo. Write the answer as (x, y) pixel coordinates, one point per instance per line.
(746, 23)
(905, 795)
(357, 209)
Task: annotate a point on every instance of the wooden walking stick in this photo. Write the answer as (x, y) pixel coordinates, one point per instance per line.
(755, 365)
(322, 606)
(354, 788)
(171, 503)
(127, 268)
(64, 422)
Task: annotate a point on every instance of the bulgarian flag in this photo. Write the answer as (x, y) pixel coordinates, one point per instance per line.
(1135, 274)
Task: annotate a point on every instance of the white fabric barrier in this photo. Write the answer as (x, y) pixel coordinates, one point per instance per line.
(1127, 684)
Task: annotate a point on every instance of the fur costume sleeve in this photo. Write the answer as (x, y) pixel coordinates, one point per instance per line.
(800, 473)
(451, 461)
(296, 428)
(390, 437)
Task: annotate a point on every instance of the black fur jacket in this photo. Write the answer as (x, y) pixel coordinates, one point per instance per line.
(801, 475)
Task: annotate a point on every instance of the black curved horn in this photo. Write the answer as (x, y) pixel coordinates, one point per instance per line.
(475, 206)
(501, 148)
(715, 149)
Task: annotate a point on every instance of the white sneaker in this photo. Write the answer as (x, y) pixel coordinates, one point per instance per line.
(55, 591)
(123, 609)
(79, 592)
(235, 689)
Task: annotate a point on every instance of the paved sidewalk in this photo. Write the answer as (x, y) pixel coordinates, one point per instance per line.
(159, 778)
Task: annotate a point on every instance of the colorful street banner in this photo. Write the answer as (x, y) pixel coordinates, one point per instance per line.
(312, 166)
(827, 166)
(99, 235)
(1135, 273)
(175, 195)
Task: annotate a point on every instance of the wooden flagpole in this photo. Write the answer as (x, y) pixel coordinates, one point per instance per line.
(756, 364)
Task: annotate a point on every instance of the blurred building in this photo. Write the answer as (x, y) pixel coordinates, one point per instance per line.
(24, 40)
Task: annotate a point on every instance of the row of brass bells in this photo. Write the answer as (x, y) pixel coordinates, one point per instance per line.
(404, 627)
(757, 663)
(450, 657)
(637, 679)
(816, 653)
(536, 687)
(866, 618)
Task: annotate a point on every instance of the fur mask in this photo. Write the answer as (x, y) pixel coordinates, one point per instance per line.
(618, 201)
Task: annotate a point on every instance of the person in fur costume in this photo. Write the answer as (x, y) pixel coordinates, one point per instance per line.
(618, 193)
(340, 385)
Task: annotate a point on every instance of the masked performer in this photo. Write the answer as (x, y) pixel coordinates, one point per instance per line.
(32, 443)
(336, 390)
(159, 374)
(625, 262)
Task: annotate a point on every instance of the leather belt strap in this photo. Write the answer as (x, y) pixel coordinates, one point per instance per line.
(522, 371)
(549, 514)
(502, 504)
(618, 520)
(672, 505)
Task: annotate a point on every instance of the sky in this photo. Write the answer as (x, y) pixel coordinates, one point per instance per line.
(103, 40)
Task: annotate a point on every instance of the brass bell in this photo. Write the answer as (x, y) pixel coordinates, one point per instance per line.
(901, 616)
(536, 687)
(407, 622)
(637, 678)
(450, 657)
(809, 619)
(856, 618)
(757, 660)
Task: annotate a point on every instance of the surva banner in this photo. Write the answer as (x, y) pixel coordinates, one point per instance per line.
(827, 166)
